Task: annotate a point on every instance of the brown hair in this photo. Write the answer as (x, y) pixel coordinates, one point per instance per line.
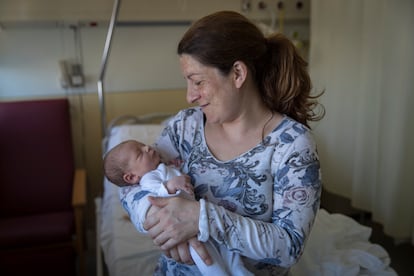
(222, 38)
(114, 166)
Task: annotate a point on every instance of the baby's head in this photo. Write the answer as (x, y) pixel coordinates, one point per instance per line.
(127, 162)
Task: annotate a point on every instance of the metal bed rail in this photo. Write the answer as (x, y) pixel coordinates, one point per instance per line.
(105, 56)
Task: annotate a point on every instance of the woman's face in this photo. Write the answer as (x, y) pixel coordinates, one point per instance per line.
(207, 87)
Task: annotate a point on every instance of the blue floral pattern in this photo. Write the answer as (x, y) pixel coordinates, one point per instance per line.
(261, 204)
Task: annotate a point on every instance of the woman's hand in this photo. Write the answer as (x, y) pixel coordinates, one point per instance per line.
(179, 217)
(180, 182)
(181, 253)
(174, 223)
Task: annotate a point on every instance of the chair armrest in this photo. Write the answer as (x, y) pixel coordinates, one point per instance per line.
(79, 188)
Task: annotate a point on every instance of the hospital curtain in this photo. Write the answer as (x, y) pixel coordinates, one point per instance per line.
(362, 55)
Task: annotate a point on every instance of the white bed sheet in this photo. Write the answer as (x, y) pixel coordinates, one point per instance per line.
(338, 245)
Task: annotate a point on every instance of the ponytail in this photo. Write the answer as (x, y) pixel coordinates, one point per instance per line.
(284, 81)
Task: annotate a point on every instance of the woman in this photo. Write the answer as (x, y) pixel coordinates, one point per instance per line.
(247, 148)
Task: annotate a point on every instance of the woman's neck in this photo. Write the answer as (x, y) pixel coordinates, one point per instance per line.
(234, 137)
(249, 116)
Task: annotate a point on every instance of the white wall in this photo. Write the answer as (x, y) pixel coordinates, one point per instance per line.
(141, 58)
(147, 10)
(35, 35)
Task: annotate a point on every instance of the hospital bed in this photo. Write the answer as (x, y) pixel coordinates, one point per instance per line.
(337, 245)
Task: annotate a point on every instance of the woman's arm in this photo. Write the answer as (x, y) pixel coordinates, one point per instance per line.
(136, 202)
(273, 243)
(178, 251)
(175, 222)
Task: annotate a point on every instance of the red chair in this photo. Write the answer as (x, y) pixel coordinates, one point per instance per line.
(42, 195)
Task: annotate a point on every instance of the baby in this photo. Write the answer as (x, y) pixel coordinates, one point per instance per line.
(134, 163)
(131, 162)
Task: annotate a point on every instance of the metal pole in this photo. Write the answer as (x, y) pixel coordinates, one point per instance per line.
(105, 56)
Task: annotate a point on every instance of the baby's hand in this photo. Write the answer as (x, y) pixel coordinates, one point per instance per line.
(181, 182)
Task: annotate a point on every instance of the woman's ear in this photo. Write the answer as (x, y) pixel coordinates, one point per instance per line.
(240, 73)
(131, 178)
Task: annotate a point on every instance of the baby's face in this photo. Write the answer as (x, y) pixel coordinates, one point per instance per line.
(141, 158)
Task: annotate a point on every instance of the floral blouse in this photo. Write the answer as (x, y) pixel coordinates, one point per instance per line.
(261, 204)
